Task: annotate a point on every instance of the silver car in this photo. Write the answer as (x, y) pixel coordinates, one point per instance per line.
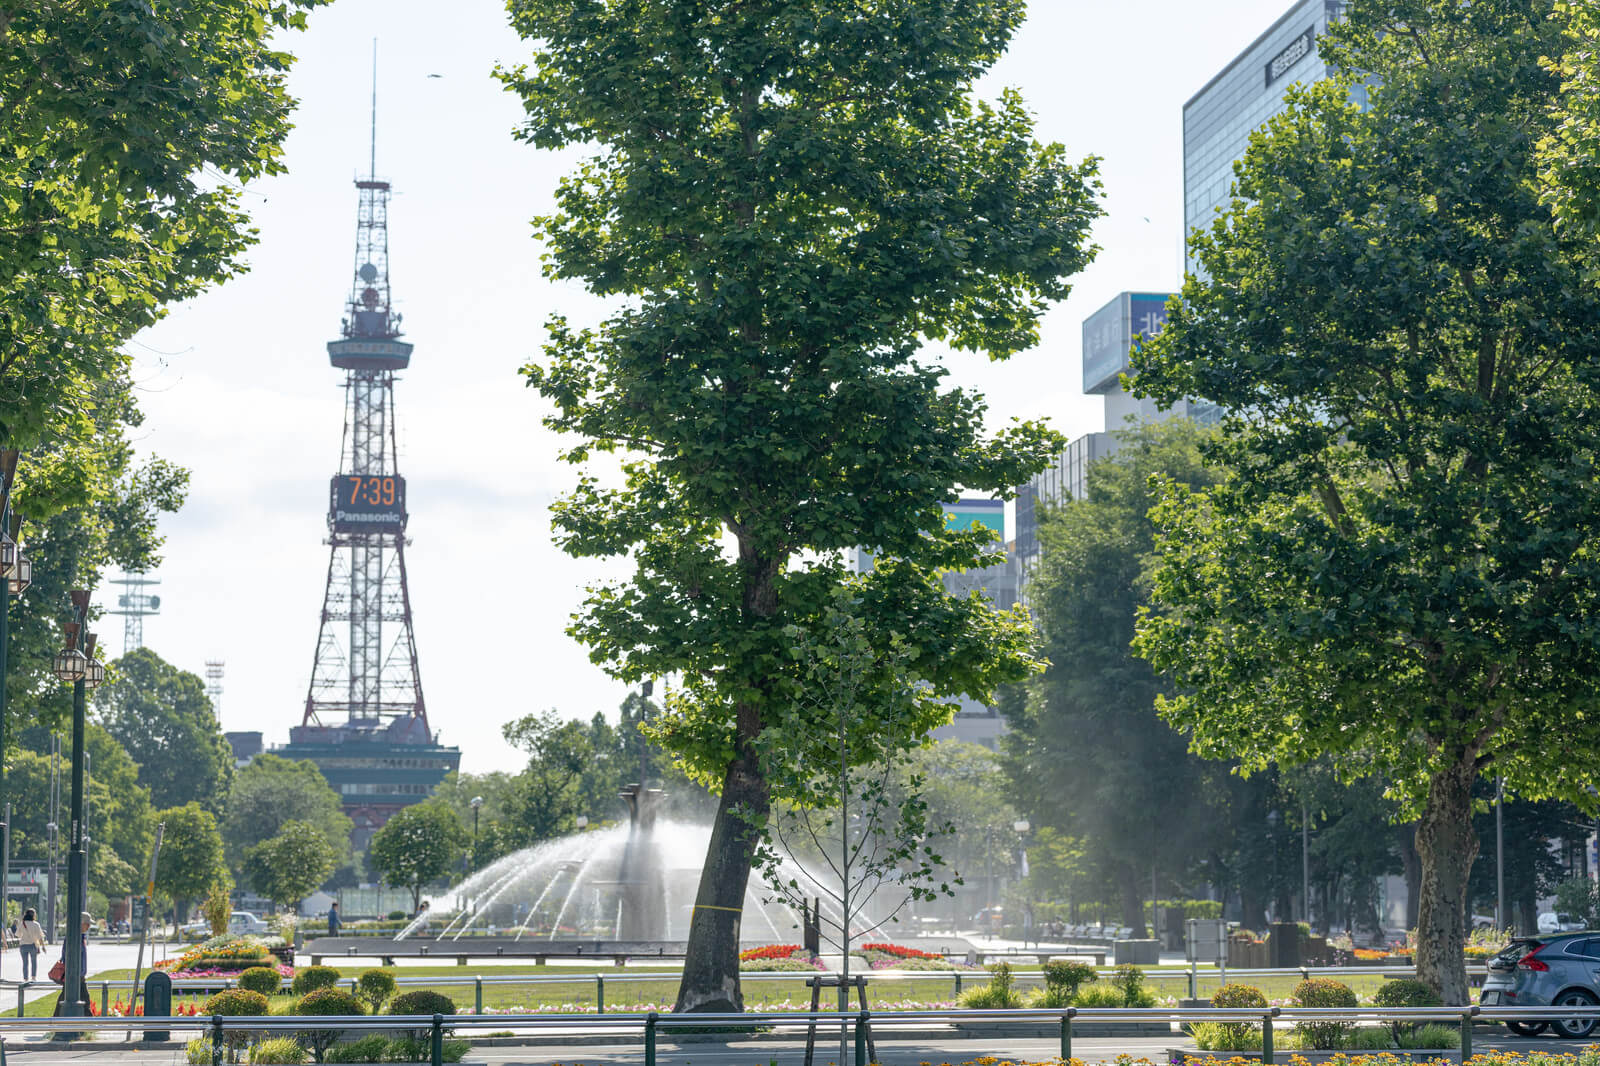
(1561, 970)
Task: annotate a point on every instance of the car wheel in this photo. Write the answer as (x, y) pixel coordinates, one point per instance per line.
(1526, 1028)
(1574, 1028)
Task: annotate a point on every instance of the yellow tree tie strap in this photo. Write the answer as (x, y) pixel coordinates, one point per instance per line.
(711, 907)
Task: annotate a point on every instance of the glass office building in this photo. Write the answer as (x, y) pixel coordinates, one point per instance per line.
(1218, 120)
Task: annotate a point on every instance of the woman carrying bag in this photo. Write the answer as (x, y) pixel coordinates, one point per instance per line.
(30, 941)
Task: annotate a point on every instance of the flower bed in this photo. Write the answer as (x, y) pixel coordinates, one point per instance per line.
(895, 957)
(771, 958)
(219, 956)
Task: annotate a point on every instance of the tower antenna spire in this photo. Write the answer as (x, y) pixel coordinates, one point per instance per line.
(372, 159)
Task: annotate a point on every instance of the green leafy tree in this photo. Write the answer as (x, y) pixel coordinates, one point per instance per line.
(545, 798)
(289, 867)
(959, 786)
(1086, 754)
(1398, 576)
(785, 201)
(416, 847)
(112, 112)
(164, 719)
(191, 855)
(271, 792)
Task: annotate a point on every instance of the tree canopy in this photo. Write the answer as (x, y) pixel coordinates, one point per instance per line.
(1087, 754)
(1398, 575)
(191, 855)
(288, 867)
(786, 200)
(164, 719)
(271, 792)
(416, 847)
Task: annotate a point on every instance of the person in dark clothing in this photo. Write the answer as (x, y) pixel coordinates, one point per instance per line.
(333, 918)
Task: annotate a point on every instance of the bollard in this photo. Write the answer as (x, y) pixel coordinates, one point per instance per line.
(437, 1054)
(1266, 1039)
(1466, 1034)
(477, 995)
(1194, 983)
(216, 1040)
(1066, 1034)
(958, 983)
(650, 1039)
(861, 1039)
(599, 994)
(19, 999)
(105, 1000)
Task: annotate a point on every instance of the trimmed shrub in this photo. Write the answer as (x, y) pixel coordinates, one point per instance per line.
(372, 1048)
(1324, 992)
(1098, 995)
(312, 978)
(327, 1002)
(1236, 1036)
(397, 916)
(1062, 980)
(422, 1001)
(262, 979)
(279, 1051)
(234, 1002)
(1130, 979)
(1225, 1036)
(996, 995)
(1406, 992)
(374, 987)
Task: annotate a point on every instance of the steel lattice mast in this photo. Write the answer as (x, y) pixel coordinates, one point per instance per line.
(365, 674)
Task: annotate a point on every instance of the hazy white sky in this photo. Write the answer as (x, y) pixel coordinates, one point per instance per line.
(237, 385)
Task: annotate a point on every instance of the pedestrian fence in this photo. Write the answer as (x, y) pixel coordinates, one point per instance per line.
(651, 1028)
(1192, 983)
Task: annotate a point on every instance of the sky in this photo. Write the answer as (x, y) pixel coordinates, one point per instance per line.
(236, 384)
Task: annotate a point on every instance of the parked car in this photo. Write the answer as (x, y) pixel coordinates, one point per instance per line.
(1562, 969)
(1551, 922)
(239, 923)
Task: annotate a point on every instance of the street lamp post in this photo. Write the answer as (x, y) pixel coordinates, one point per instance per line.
(79, 669)
(1021, 827)
(477, 804)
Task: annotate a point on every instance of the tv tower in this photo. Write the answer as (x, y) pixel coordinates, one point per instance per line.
(365, 721)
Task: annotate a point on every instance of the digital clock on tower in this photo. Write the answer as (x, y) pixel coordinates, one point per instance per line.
(367, 502)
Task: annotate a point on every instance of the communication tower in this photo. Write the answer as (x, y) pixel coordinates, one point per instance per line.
(135, 605)
(365, 722)
(214, 685)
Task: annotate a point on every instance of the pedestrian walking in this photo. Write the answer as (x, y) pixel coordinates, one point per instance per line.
(333, 918)
(30, 941)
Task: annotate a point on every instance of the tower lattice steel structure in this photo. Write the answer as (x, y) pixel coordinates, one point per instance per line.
(365, 677)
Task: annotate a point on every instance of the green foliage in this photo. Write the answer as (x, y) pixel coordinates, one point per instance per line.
(1062, 979)
(1405, 992)
(422, 1001)
(162, 716)
(272, 791)
(1232, 1036)
(217, 907)
(1324, 992)
(1431, 1036)
(197, 1052)
(191, 853)
(328, 1002)
(1403, 343)
(374, 987)
(1580, 898)
(1225, 1036)
(416, 846)
(232, 1001)
(372, 1048)
(1086, 755)
(784, 204)
(1100, 994)
(308, 979)
(996, 995)
(263, 979)
(278, 1051)
(292, 864)
(420, 1049)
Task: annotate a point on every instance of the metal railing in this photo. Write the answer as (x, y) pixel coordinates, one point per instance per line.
(1190, 981)
(652, 1026)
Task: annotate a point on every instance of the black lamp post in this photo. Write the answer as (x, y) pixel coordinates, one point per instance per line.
(81, 671)
(477, 804)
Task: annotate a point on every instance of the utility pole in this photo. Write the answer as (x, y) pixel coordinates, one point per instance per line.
(144, 926)
(1305, 859)
(1499, 853)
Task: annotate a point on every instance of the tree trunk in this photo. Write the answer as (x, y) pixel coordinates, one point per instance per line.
(1446, 846)
(710, 981)
(1131, 888)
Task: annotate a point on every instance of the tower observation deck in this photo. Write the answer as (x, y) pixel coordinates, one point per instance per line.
(365, 723)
